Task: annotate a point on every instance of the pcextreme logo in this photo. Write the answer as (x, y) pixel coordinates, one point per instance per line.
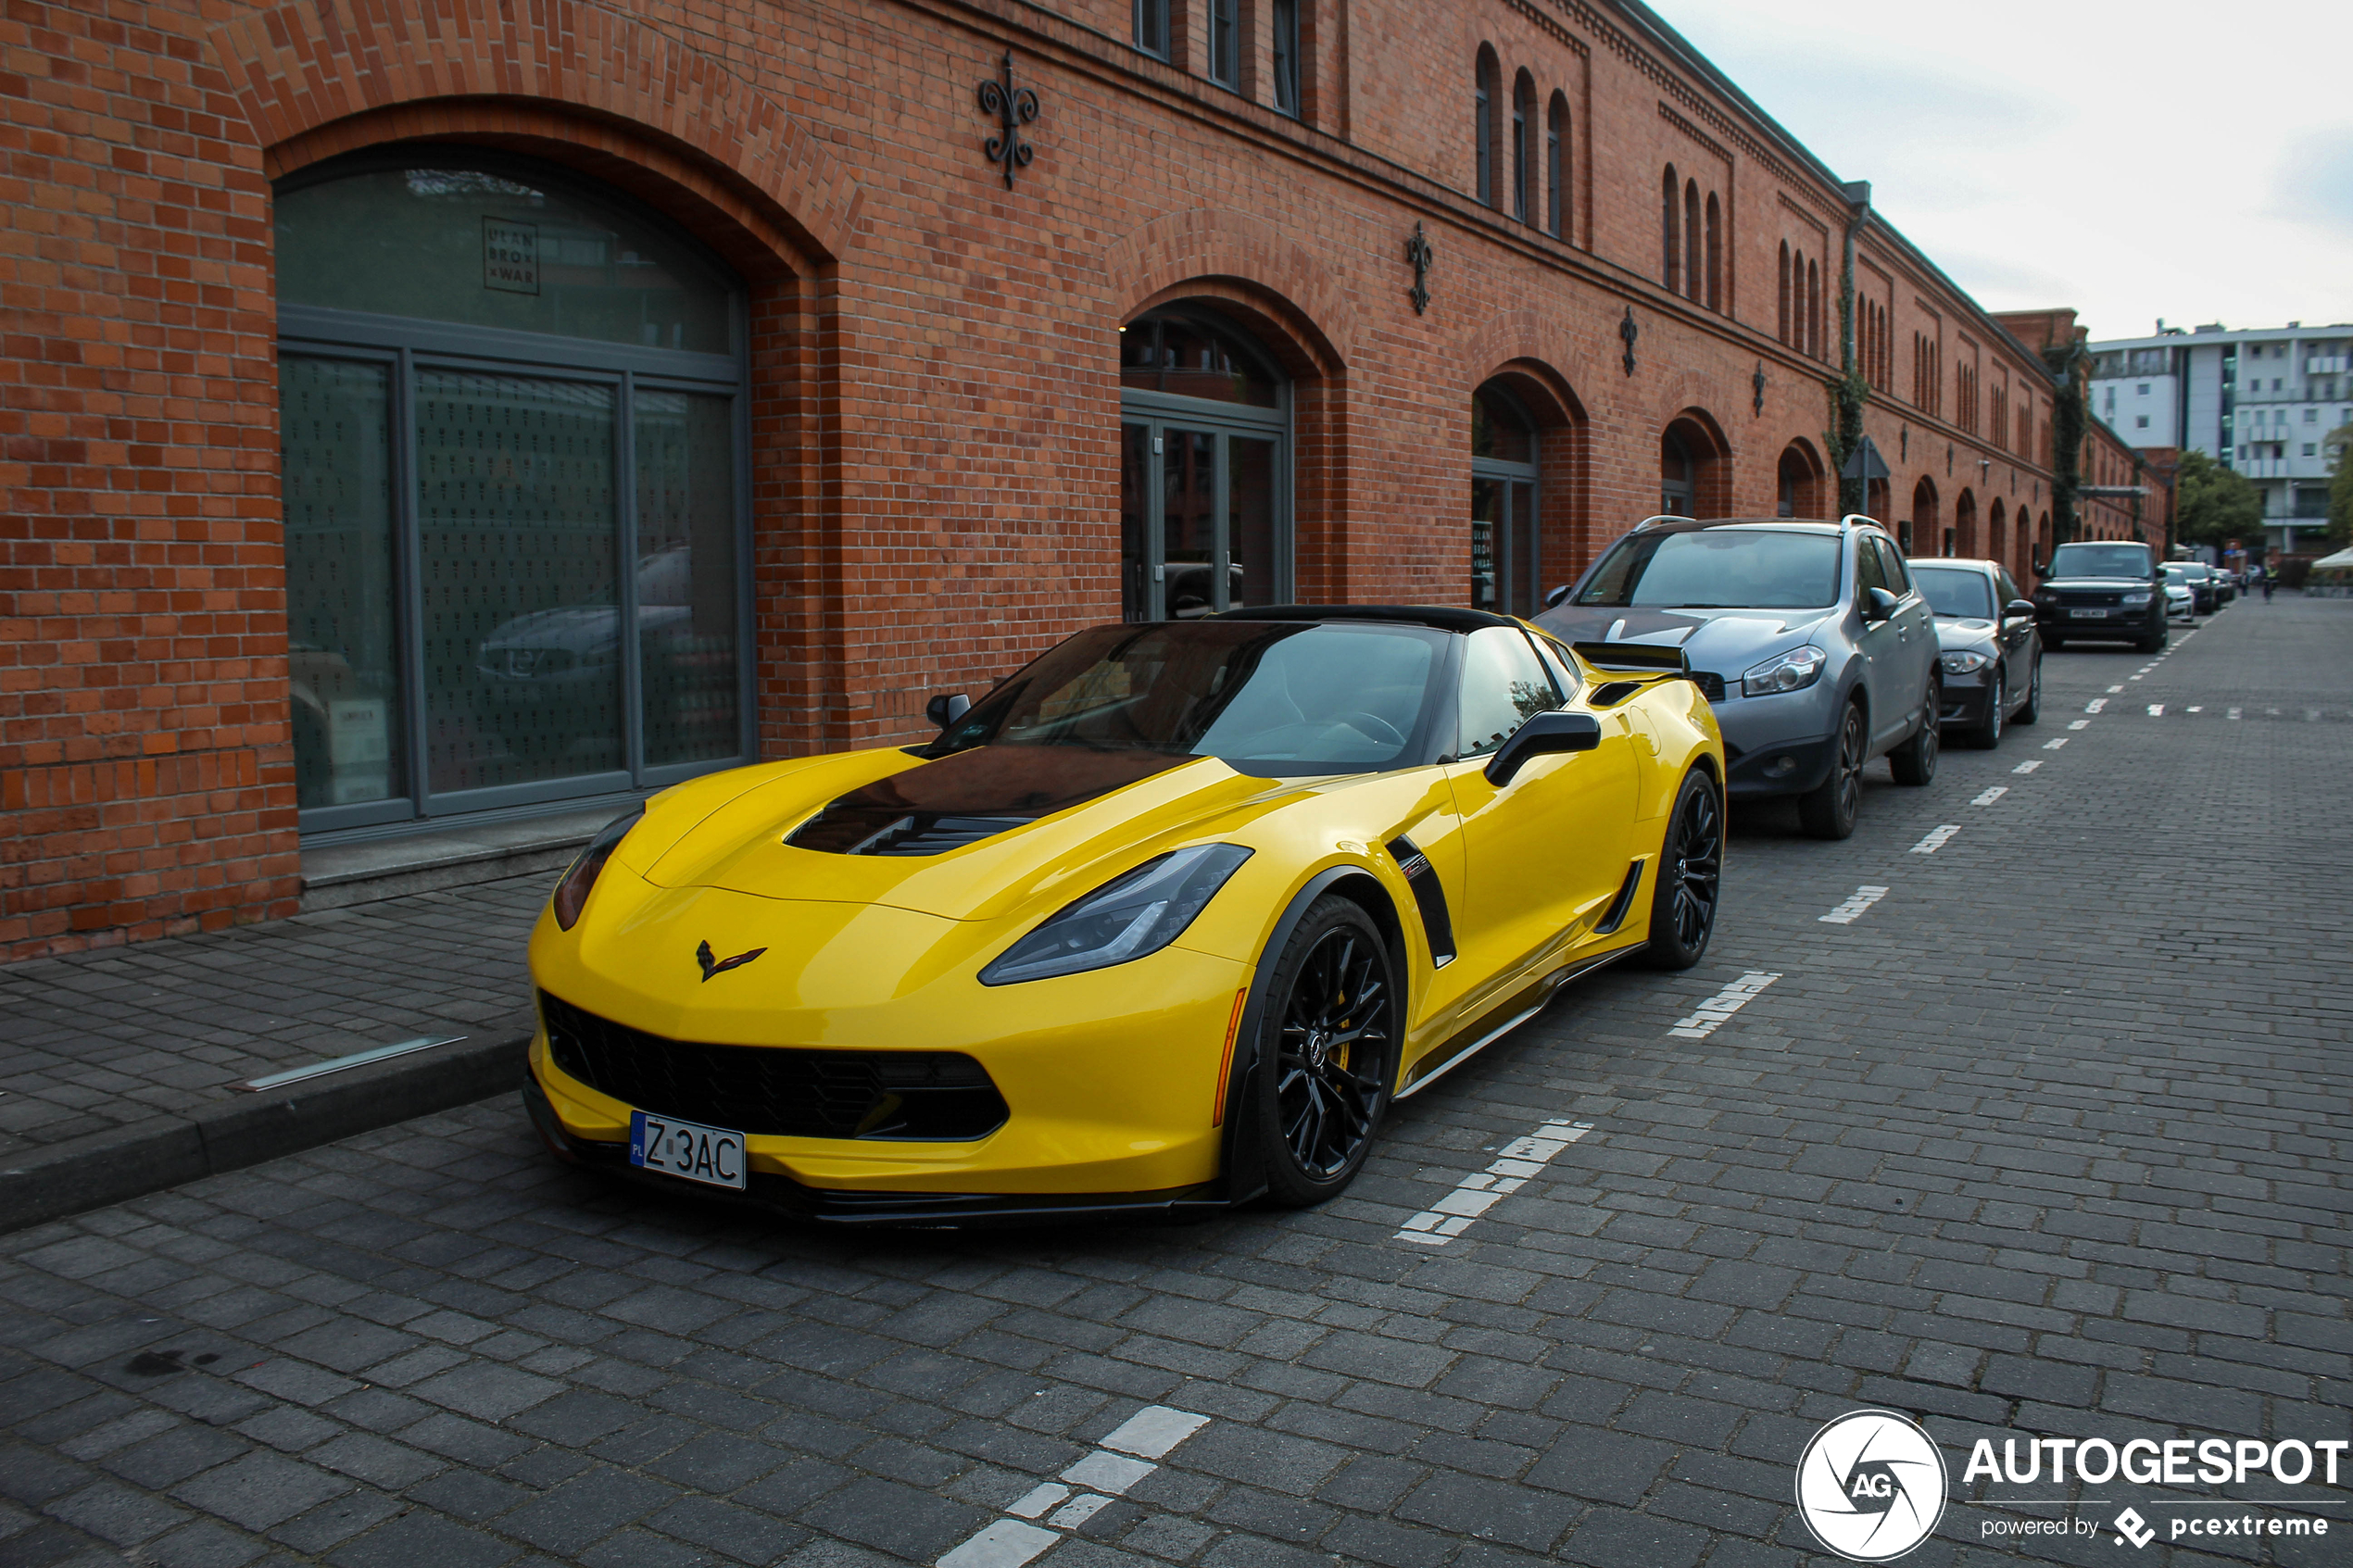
(1872, 1486)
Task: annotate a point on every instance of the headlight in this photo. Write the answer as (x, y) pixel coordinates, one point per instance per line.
(2134, 601)
(572, 892)
(1961, 662)
(1127, 918)
(1790, 671)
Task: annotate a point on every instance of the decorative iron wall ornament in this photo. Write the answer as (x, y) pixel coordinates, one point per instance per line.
(1757, 382)
(1629, 331)
(1015, 108)
(1419, 252)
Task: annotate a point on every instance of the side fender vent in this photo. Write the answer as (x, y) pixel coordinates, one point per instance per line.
(1428, 896)
(1623, 902)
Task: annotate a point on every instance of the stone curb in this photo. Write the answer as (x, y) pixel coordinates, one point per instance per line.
(163, 1152)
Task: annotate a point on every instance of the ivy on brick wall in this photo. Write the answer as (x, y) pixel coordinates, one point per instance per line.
(1848, 394)
(2073, 366)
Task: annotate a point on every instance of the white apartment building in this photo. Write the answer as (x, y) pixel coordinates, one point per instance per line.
(2259, 400)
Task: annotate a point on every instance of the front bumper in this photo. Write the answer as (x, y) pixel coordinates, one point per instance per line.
(1968, 700)
(2126, 626)
(1779, 745)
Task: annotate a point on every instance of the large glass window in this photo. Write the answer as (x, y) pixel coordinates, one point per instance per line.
(1505, 559)
(511, 426)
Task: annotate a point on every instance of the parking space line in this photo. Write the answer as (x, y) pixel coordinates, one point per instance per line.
(1987, 798)
(1481, 1190)
(1711, 1014)
(2054, 745)
(1854, 904)
(2156, 711)
(2232, 714)
(2113, 690)
(2079, 723)
(1938, 837)
(2027, 767)
(1087, 1486)
(2096, 704)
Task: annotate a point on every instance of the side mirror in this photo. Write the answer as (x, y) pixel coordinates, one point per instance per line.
(1879, 604)
(1541, 736)
(2018, 607)
(1553, 599)
(947, 707)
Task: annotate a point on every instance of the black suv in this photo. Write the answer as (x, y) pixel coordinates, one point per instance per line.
(2104, 589)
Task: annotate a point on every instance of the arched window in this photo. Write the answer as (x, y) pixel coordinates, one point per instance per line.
(1961, 538)
(1204, 467)
(1813, 308)
(1557, 168)
(1997, 529)
(1505, 566)
(1800, 482)
(1715, 253)
(1670, 229)
(1694, 244)
(1924, 525)
(1283, 23)
(474, 350)
(1483, 126)
(1678, 476)
(1783, 318)
(1523, 148)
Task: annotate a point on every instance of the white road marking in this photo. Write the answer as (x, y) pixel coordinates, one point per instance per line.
(2054, 745)
(2079, 723)
(2193, 710)
(1711, 1014)
(2113, 690)
(2156, 711)
(2232, 714)
(2027, 767)
(2311, 715)
(1150, 1432)
(1854, 904)
(2096, 705)
(1938, 837)
(1481, 1190)
(1991, 796)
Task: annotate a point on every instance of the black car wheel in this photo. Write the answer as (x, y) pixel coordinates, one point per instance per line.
(1327, 1053)
(1827, 810)
(2032, 709)
(1988, 735)
(1691, 870)
(1913, 762)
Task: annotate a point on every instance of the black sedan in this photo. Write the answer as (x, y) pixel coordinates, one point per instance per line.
(1992, 652)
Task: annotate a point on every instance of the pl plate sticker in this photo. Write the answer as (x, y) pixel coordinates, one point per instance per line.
(1872, 1486)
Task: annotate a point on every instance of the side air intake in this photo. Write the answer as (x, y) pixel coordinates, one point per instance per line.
(1428, 896)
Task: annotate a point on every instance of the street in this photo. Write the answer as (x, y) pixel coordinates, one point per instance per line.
(2019, 1114)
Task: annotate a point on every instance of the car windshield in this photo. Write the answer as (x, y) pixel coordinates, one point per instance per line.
(1762, 568)
(2177, 575)
(2100, 560)
(1955, 592)
(1268, 698)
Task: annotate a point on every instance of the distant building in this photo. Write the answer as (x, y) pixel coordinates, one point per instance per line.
(2259, 400)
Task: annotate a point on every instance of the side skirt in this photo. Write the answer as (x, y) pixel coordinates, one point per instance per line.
(1486, 1032)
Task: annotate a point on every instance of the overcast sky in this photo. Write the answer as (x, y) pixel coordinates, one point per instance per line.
(2132, 161)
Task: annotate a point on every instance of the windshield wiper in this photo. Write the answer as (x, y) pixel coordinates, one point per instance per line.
(1703, 607)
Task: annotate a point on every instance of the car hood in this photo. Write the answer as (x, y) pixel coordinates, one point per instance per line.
(2103, 583)
(1953, 633)
(1725, 641)
(969, 836)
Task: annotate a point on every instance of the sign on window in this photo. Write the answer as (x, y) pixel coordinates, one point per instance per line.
(509, 256)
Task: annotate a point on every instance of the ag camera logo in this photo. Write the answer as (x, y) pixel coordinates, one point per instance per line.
(1872, 1486)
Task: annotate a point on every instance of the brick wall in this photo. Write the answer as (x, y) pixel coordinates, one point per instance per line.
(935, 394)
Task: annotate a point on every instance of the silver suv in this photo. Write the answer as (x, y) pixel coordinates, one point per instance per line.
(1809, 638)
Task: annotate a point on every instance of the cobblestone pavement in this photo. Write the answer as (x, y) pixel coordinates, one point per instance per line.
(103, 1038)
(2046, 1140)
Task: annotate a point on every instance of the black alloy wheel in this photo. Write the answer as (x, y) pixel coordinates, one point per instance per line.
(1988, 735)
(1913, 762)
(2032, 709)
(1328, 1052)
(1829, 809)
(1691, 873)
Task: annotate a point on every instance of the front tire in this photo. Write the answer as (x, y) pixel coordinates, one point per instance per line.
(1829, 809)
(1913, 762)
(1327, 1053)
(2032, 709)
(1988, 735)
(1691, 872)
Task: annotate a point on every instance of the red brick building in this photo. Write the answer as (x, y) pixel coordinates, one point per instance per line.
(422, 412)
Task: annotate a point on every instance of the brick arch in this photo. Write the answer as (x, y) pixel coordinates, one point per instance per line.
(301, 68)
(1543, 367)
(1165, 259)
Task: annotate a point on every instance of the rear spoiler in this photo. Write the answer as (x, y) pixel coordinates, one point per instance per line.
(1635, 659)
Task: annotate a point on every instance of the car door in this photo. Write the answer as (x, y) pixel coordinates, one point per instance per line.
(1546, 852)
(1882, 645)
(2017, 638)
(1916, 644)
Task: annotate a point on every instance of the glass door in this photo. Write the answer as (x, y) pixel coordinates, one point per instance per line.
(1201, 521)
(1504, 545)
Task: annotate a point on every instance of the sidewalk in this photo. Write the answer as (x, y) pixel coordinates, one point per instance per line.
(118, 1066)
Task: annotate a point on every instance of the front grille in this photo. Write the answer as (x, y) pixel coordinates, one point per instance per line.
(774, 1090)
(879, 830)
(2088, 598)
(1711, 685)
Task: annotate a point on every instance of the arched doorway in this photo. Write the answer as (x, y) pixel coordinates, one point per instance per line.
(1204, 471)
(1920, 531)
(1962, 539)
(1801, 482)
(1693, 473)
(1506, 533)
(1997, 529)
(516, 533)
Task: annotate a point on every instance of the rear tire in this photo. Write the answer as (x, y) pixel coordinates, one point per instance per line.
(1327, 1053)
(1988, 735)
(1913, 762)
(1691, 873)
(1829, 809)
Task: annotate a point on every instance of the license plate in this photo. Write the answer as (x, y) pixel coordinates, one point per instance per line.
(710, 1155)
(2089, 614)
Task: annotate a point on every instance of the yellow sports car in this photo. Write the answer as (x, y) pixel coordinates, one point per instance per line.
(1161, 924)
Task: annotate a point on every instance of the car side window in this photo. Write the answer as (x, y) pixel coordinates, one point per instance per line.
(1890, 565)
(1869, 574)
(1559, 663)
(2008, 585)
(1504, 684)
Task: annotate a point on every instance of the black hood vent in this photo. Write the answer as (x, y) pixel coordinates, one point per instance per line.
(969, 795)
(845, 828)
